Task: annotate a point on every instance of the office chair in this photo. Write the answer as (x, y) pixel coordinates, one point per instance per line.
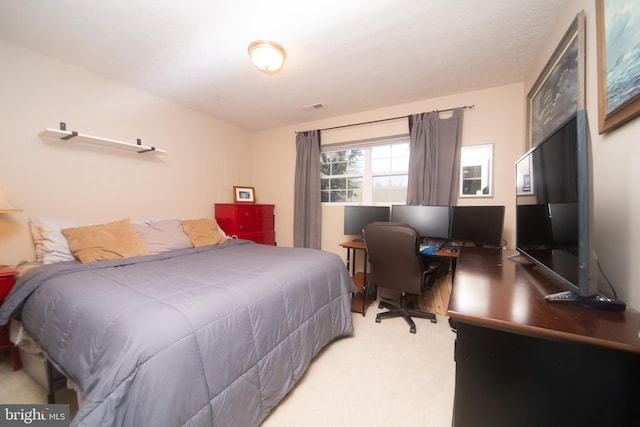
(396, 263)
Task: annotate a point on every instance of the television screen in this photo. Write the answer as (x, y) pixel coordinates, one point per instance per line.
(534, 225)
(430, 221)
(480, 225)
(553, 211)
(356, 217)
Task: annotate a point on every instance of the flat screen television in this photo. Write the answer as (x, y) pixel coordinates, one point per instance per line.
(356, 217)
(480, 225)
(431, 222)
(554, 213)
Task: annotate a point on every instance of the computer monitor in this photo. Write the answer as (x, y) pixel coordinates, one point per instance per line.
(480, 225)
(431, 222)
(356, 217)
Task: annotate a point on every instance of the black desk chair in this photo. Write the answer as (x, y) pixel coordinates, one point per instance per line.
(396, 263)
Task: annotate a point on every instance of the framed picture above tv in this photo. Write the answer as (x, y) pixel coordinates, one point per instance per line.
(559, 91)
(618, 41)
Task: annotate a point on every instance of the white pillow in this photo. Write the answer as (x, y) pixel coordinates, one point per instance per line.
(36, 234)
(54, 246)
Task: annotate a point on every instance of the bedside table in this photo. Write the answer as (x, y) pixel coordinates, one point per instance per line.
(7, 280)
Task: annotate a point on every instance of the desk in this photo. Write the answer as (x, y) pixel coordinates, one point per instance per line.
(453, 256)
(360, 279)
(521, 361)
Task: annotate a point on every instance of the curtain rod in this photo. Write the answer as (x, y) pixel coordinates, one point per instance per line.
(389, 119)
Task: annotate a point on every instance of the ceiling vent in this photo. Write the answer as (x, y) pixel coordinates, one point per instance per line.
(313, 107)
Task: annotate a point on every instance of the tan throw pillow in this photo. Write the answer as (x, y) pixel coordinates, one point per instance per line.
(104, 242)
(202, 232)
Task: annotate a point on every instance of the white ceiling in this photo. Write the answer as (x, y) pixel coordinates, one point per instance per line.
(349, 55)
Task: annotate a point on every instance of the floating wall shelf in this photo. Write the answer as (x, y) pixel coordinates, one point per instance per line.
(66, 135)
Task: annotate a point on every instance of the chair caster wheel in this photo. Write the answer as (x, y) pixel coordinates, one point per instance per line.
(378, 320)
(412, 330)
(380, 306)
(434, 320)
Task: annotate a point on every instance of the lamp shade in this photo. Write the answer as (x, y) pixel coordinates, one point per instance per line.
(267, 55)
(5, 205)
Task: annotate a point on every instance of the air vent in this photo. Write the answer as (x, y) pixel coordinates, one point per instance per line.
(313, 107)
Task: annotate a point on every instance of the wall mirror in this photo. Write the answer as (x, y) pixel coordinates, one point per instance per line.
(476, 171)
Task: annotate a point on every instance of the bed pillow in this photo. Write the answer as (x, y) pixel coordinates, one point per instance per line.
(151, 221)
(104, 242)
(36, 234)
(202, 232)
(162, 236)
(51, 245)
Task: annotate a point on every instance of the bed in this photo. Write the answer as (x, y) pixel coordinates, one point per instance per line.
(214, 335)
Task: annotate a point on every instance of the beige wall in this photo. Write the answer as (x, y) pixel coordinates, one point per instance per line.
(615, 172)
(46, 177)
(497, 118)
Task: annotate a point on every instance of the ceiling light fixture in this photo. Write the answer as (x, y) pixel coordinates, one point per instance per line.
(267, 56)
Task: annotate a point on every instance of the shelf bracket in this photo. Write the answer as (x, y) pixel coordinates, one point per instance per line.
(139, 142)
(147, 150)
(63, 126)
(73, 133)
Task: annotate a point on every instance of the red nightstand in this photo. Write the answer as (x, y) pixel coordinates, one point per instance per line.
(7, 279)
(247, 221)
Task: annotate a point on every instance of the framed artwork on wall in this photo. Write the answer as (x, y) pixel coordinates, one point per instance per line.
(618, 39)
(244, 194)
(559, 90)
(476, 171)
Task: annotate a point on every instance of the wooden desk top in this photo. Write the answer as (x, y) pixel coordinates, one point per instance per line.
(444, 252)
(491, 290)
(353, 244)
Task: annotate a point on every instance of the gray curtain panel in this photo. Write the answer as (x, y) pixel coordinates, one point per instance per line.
(435, 158)
(307, 214)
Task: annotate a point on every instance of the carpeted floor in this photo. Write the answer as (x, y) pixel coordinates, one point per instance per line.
(380, 376)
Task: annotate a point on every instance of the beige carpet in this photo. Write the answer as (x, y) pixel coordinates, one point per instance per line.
(381, 376)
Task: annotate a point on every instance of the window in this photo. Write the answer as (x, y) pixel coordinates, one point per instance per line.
(371, 173)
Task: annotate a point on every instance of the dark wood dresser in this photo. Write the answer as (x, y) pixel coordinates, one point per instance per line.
(521, 361)
(247, 221)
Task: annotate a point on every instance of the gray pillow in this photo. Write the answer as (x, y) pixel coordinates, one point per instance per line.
(162, 236)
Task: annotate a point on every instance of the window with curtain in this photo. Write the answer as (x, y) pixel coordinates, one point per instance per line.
(373, 172)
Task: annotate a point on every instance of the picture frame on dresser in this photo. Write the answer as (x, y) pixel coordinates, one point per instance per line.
(243, 194)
